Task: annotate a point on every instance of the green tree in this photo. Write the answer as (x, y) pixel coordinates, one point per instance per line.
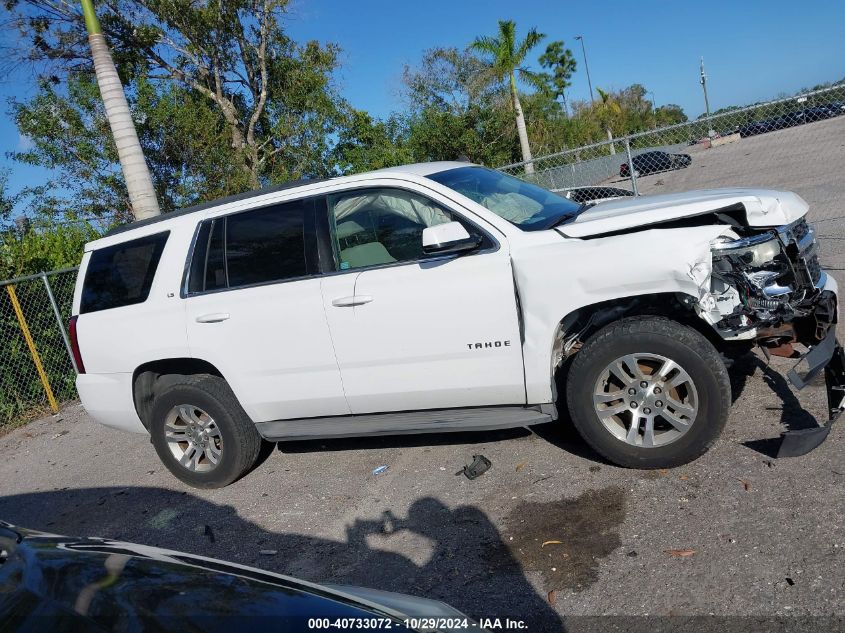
(669, 114)
(507, 57)
(454, 110)
(608, 111)
(365, 143)
(182, 136)
(273, 96)
(561, 62)
(139, 184)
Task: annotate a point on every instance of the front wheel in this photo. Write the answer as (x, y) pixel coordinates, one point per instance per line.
(648, 392)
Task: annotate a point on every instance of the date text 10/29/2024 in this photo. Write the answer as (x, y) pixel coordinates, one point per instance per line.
(417, 624)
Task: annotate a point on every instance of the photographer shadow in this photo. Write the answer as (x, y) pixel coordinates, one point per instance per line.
(458, 554)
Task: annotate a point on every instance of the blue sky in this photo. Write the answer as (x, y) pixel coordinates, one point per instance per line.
(753, 50)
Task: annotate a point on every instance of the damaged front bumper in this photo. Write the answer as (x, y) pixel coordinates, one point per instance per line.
(828, 356)
(768, 288)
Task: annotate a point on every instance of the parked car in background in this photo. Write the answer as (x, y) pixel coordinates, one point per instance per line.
(789, 119)
(583, 195)
(59, 583)
(651, 162)
(837, 107)
(817, 113)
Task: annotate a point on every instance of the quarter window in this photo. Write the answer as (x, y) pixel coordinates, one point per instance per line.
(122, 274)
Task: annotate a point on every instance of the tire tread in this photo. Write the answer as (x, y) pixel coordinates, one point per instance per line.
(677, 332)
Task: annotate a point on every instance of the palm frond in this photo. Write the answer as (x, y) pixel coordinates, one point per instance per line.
(539, 81)
(486, 44)
(531, 40)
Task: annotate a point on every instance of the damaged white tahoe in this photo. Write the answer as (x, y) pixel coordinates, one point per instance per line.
(446, 297)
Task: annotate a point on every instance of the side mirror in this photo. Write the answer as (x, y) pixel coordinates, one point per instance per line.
(451, 237)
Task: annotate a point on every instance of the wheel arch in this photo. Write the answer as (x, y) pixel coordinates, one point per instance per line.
(152, 376)
(581, 323)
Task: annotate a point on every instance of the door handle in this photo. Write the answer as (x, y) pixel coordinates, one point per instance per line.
(357, 300)
(216, 317)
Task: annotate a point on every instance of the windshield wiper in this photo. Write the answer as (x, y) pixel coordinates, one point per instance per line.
(571, 215)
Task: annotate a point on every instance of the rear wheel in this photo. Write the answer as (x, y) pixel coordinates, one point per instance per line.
(201, 433)
(648, 392)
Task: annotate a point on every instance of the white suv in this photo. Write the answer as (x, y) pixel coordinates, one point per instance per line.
(441, 297)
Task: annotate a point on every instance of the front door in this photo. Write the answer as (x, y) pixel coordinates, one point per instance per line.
(412, 332)
(254, 310)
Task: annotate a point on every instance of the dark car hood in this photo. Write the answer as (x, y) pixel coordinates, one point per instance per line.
(47, 580)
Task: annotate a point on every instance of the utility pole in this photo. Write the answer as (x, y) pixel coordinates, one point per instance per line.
(711, 133)
(586, 67)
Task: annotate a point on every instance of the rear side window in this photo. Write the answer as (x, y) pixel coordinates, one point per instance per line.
(249, 248)
(122, 274)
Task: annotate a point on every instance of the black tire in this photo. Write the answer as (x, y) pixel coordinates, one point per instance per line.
(241, 442)
(667, 338)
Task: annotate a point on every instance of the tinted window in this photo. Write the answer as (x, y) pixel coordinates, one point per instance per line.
(195, 279)
(265, 245)
(208, 269)
(249, 248)
(215, 262)
(122, 275)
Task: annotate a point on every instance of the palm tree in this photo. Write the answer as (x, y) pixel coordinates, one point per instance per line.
(139, 184)
(608, 109)
(506, 58)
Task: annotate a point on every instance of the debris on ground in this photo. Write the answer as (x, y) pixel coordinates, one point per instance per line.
(595, 469)
(663, 471)
(552, 597)
(684, 477)
(207, 532)
(478, 467)
(632, 554)
(268, 552)
(789, 581)
(380, 469)
(551, 543)
(682, 553)
(520, 466)
(745, 484)
(59, 434)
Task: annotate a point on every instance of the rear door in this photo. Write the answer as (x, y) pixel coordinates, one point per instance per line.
(412, 332)
(255, 311)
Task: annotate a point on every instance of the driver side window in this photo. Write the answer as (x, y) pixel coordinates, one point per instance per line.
(381, 226)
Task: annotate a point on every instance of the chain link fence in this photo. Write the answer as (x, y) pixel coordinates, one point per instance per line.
(37, 373)
(795, 143)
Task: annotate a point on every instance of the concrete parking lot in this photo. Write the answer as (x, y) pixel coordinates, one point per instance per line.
(807, 159)
(737, 533)
(767, 537)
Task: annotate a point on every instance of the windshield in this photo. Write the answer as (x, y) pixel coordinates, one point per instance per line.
(528, 206)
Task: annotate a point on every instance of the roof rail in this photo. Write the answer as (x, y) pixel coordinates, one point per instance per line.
(213, 203)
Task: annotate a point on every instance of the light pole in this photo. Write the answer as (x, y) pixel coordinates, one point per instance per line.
(586, 67)
(703, 81)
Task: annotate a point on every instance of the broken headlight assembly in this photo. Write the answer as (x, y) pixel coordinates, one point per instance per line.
(756, 250)
(753, 280)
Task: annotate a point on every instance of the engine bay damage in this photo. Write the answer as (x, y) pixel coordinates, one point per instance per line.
(767, 287)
